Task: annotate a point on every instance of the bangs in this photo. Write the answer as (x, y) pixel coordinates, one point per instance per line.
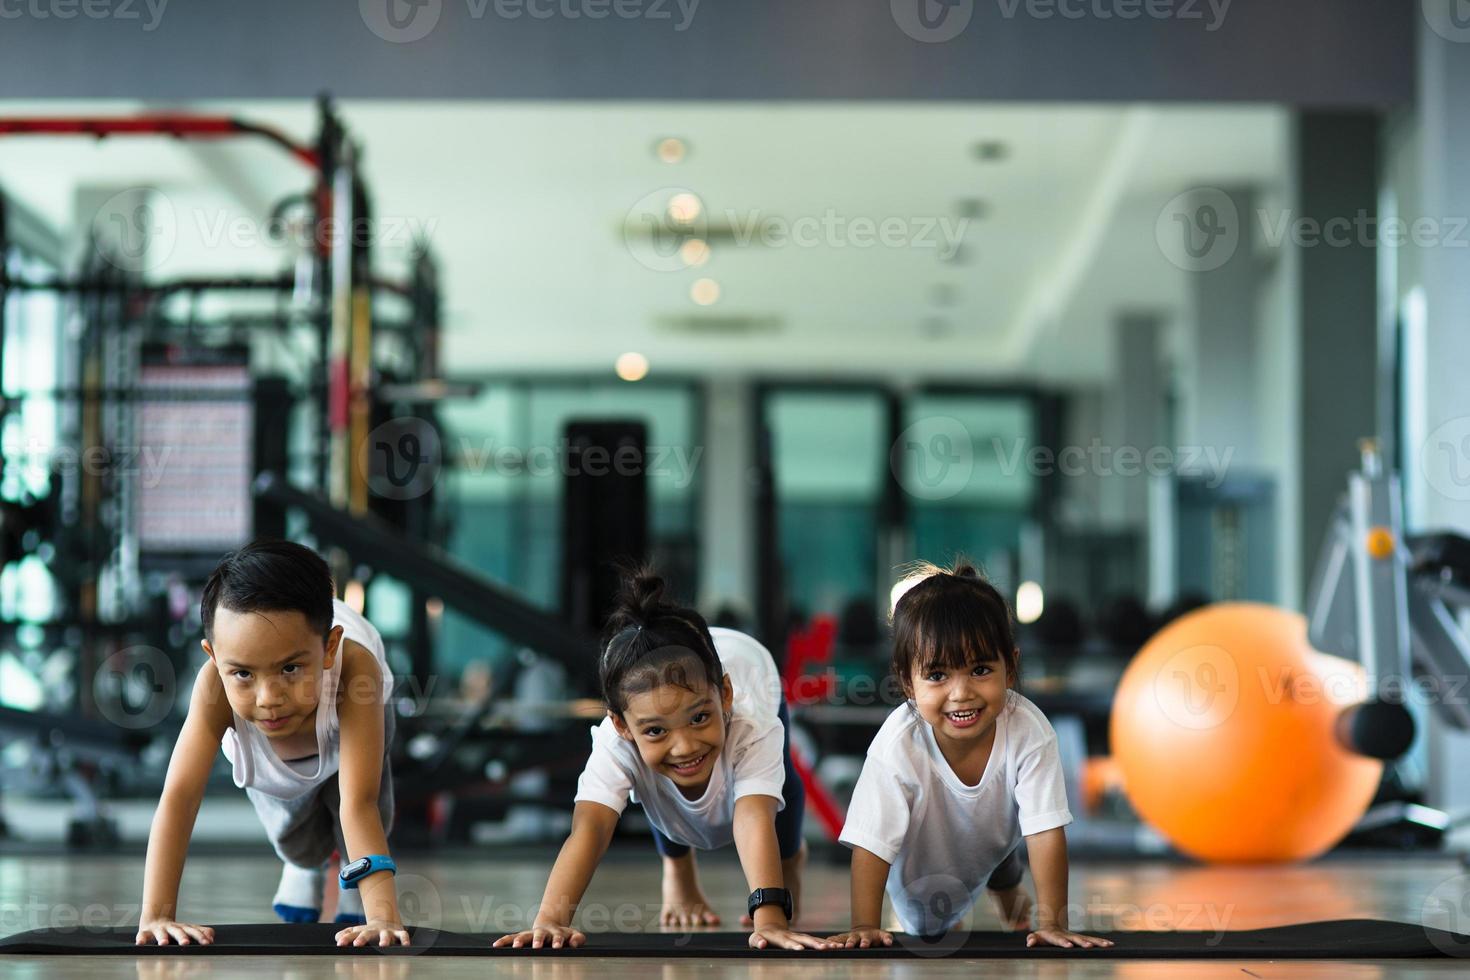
(952, 642)
(946, 623)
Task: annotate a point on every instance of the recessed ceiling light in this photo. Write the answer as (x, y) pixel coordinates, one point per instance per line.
(684, 208)
(632, 366)
(671, 150)
(694, 252)
(971, 208)
(991, 150)
(705, 292)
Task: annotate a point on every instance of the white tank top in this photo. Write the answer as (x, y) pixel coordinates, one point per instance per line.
(256, 765)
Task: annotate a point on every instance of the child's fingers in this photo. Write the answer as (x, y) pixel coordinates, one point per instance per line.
(179, 935)
(198, 934)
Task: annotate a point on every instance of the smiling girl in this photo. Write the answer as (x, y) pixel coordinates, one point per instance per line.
(695, 732)
(957, 777)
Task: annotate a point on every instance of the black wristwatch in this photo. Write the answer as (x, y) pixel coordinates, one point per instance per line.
(771, 896)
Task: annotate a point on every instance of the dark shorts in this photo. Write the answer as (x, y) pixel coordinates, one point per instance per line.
(1008, 873)
(788, 820)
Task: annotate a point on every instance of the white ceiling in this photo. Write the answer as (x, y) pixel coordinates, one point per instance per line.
(526, 205)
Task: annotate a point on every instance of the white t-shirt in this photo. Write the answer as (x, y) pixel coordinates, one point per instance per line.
(750, 764)
(942, 837)
(256, 765)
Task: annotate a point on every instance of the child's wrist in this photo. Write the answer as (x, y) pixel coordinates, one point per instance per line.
(770, 917)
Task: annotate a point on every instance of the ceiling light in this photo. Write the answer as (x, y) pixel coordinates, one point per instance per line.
(991, 150)
(694, 252)
(671, 150)
(631, 366)
(684, 208)
(705, 292)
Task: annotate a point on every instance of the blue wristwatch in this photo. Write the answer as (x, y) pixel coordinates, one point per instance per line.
(351, 874)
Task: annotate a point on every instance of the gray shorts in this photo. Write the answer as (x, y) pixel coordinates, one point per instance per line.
(305, 831)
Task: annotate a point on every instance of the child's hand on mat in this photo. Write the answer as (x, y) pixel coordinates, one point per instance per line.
(862, 937)
(160, 931)
(540, 936)
(767, 937)
(384, 931)
(695, 913)
(1061, 937)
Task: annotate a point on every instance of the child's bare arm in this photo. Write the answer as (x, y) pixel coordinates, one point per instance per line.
(360, 716)
(173, 822)
(869, 874)
(592, 830)
(760, 859)
(1047, 852)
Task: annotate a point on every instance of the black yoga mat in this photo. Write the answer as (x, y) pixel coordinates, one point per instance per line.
(1355, 939)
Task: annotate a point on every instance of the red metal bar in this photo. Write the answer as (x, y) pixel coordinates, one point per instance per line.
(821, 800)
(175, 125)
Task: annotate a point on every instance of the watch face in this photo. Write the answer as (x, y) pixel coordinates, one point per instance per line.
(355, 868)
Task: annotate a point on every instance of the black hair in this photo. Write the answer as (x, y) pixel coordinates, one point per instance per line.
(270, 576)
(949, 619)
(650, 642)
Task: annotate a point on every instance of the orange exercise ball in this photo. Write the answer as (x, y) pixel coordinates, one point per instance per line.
(1223, 727)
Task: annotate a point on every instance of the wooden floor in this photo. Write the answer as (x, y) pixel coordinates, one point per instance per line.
(474, 893)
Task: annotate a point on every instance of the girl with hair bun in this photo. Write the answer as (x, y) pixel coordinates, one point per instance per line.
(696, 731)
(957, 777)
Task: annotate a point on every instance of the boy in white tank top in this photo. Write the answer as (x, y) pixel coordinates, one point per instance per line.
(296, 692)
